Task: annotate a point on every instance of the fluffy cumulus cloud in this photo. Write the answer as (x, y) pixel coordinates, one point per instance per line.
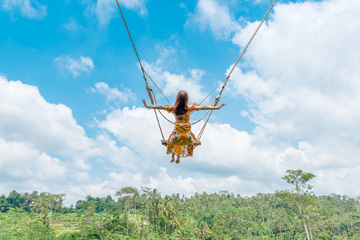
(40, 143)
(227, 159)
(27, 8)
(214, 15)
(304, 86)
(312, 92)
(28, 164)
(27, 117)
(124, 125)
(105, 10)
(76, 67)
(113, 94)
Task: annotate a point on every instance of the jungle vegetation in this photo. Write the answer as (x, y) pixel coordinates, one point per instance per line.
(296, 213)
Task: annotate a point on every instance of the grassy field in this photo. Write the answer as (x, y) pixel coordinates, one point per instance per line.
(65, 223)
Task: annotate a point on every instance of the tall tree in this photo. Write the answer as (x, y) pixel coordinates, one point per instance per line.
(46, 204)
(130, 196)
(301, 189)
(166, 210)
(15, 199)
(4, 204)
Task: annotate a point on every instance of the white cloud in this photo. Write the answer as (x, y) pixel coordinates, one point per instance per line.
(215, 16)
(72, 25)
(166, 55)
(25, 116)
(26, 8)
(171, 83)
(313, 91)
(40, 143)
(308, 58)
(166, 183)
(332, 180)
(307, 62)
(136, 128)
(18, 160)
(105, 10)
(113, 94)
(76, 67)
(227, 159)
(122, 157)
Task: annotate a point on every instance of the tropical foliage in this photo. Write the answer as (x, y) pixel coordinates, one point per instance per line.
(144, 213)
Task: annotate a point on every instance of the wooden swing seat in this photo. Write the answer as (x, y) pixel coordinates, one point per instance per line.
(164, 142)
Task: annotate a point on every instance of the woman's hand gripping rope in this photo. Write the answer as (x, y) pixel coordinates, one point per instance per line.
(144, 102)
(159, 107)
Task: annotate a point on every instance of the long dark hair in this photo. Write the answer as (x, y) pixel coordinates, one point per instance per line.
(181, 103)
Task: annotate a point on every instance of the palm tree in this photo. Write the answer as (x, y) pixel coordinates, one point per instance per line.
(145, 200)
(155, 200)
(166, 210)
(203, 230)
(175, 221)
(181, 233)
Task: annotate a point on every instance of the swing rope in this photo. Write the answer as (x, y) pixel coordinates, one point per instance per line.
(157, 88)
(242, 53)
(216, 100)
(148, 88)
(137, 55)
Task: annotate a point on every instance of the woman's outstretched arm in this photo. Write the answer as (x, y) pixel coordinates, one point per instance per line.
(160, 107)
(210, 107)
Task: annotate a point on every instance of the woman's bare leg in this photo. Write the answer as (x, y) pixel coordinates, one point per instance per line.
(172, 158)
(178, 159)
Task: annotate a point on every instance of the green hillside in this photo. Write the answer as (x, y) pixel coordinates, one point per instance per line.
(143, 213)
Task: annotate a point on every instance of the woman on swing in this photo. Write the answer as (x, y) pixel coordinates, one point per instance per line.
(182, 140)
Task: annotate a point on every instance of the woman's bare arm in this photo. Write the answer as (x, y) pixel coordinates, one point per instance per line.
(211, 107)
(160, 107)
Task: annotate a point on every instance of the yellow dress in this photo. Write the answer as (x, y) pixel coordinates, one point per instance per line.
(182, 140)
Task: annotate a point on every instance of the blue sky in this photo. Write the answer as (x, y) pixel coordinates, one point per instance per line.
(71, 115)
